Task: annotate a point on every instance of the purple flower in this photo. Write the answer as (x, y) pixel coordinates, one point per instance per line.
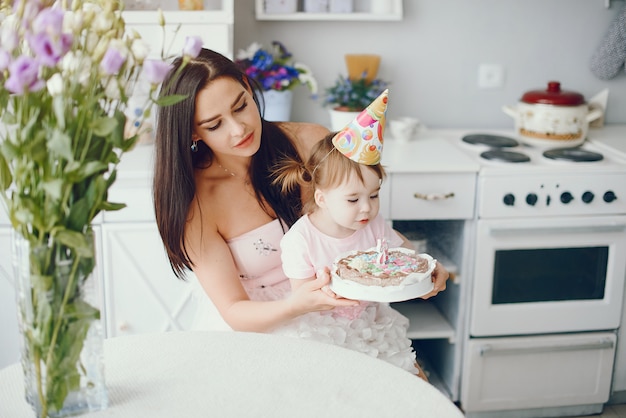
(112, 61)
(50, 49)
(23, 76)
(262, 60)
(155, 71)
(50, 21)
(193, 45)
(31, 10)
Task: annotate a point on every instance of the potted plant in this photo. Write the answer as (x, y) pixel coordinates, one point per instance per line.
(66, 79)
(347, 97)
(275, 74)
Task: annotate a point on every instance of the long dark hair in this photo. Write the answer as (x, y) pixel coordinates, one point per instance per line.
(174, 187)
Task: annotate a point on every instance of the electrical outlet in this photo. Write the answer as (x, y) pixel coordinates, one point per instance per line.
(490, 76)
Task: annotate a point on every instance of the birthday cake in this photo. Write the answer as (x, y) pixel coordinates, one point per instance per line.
(392, 275)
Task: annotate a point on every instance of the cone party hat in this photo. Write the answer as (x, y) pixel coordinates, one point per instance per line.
(362, 139)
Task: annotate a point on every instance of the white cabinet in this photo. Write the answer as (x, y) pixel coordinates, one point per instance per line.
(215, 27)
(362, 10)
(141, 292)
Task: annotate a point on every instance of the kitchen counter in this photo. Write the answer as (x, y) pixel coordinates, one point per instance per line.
(432, 152)
(613, 136)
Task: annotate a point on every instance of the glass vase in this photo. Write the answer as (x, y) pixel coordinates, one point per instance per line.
(61, 332)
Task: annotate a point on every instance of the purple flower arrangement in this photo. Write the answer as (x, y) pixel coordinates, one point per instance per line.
(275, 69)
(353, 94)
(66, 78)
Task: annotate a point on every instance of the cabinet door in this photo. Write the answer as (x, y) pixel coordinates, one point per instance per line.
(141, 292)
(9, 334)
(537, 372)
(432, 196)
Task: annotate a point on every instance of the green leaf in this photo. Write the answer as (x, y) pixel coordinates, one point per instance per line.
(170, 100)
(5, 174)
(9, 150)
(103, 126)
(110, 207)
(116, 136)
(53, 188)
(58, 107)
(61, 144)
(76, 241)
(79, 214)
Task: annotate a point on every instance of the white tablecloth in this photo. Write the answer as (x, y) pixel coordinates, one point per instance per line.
(231, 374)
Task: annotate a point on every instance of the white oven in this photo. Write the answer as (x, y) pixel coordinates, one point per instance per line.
(547, 284)
(548, 275)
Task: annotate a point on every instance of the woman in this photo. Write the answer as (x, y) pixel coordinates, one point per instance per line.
(217, 210)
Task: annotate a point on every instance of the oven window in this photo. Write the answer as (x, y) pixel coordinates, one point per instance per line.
(549, 274)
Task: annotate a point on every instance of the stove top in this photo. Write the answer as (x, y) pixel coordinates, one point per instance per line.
(499, 153)
(519, 181)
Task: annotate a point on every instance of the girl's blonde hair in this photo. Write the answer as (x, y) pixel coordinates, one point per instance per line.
(327, 167)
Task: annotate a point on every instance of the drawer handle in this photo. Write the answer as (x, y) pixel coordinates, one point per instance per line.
(433, 196)
(487, 349)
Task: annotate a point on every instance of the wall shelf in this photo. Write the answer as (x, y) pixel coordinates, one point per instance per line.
(360, 13)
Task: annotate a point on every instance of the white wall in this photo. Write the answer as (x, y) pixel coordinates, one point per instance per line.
(432, 55)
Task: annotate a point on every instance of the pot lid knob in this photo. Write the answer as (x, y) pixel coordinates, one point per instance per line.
(553, 95)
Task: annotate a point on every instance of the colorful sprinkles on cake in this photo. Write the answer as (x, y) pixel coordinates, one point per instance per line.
(396, 262)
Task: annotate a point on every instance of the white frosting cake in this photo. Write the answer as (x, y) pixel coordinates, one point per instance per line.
(402, 275)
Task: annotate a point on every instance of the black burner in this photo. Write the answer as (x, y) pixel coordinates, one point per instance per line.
(505, 156)
(573, 154)
(493, 141)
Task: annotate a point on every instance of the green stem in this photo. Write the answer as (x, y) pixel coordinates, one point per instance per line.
(59, 319)
(42, 399)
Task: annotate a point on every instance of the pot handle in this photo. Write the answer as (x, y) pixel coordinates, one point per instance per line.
(510, 110)
(593, 115)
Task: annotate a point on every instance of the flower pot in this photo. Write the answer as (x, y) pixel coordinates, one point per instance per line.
(340, 118)
(277, 105)
(62, 337)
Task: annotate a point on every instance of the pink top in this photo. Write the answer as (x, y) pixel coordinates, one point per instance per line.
(305, 249)
(257, 255)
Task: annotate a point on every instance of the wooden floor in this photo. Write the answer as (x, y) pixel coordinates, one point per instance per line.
(611, 411)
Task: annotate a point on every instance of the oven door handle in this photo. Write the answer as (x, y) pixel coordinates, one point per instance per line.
(490, 350)
(583, 229)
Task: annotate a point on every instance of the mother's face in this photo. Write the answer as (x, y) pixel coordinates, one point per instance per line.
(227, 118)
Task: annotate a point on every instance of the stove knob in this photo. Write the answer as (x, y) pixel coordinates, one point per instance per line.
(588, 197)
(609, 196)
(531, 199)
(566, 197)
(509, 199)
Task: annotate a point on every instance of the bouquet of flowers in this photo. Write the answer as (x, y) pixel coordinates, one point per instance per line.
(67, 74)
(353, 95)
(274, 70)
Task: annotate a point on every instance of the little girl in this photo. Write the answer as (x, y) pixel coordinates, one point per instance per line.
(340, 184)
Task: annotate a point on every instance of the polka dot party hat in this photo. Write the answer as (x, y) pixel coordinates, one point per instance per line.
(362, 139)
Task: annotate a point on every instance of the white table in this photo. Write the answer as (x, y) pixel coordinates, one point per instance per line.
(231, 374)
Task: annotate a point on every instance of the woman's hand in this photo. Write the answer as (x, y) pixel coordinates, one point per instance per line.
(315, 295)
(439, 277)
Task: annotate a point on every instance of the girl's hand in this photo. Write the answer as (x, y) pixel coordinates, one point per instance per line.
(439, 277)
(315, 295)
